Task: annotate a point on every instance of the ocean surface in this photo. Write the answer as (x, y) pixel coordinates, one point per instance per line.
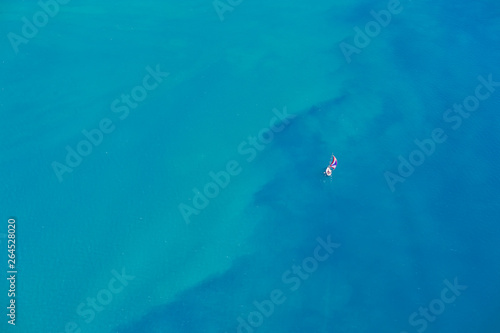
(162, 163)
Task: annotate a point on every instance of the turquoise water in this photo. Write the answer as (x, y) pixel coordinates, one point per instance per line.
(164, 165)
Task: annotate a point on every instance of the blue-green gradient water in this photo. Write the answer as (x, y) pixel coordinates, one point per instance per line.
(164, 165)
